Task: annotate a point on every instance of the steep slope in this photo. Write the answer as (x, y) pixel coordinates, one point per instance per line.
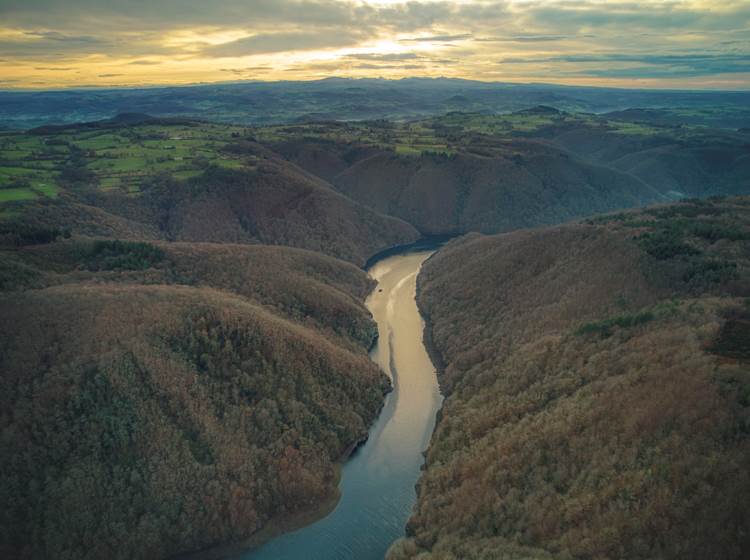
(487, 188)
(492, 173)
(182, 180)
(597, 383)
(300, 285)
(276, 204)
(70, 213)
(164, 399)
(672, 161)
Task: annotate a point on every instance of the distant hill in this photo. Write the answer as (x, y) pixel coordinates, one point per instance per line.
(118, 121)
(261, 103)
(474, 172)
(674, 115)
(161, 399)
(539, 110)
(596, 381)
(527, 185)
(684, 164)
(137, 177)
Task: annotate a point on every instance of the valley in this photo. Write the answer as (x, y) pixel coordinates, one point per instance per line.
(137, 176)
(377, 482)
(375, 280)
(189, 350)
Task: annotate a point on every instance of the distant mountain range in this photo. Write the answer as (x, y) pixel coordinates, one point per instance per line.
(258, 103)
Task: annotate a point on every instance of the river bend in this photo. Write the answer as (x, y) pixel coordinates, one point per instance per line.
(377, 483)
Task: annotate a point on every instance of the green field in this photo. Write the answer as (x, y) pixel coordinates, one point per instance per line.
(34, 165)
(8, 195)
(453, 132)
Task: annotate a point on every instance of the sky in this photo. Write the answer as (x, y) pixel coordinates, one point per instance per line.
(48, 44)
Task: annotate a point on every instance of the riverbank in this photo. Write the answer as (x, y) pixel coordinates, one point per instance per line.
(289, 522)
(426, 243)
(377, 474)
(275, 527)
(377, 484)
(427, 339)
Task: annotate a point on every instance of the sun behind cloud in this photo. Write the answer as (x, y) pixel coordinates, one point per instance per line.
(655, 43)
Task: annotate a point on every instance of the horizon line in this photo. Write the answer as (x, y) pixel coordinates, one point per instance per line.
(122, 87)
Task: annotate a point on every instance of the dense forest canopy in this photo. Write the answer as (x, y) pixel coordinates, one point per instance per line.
(160, 399)
(597, 383)
(352, 189)
(183, 341)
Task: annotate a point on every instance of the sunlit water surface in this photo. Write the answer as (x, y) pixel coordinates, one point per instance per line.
(377, 484)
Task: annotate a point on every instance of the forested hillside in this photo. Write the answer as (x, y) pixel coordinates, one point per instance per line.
(137, 177)
(522, 186)
(165, 360)
(597, 380)
(493, 173)
(352, 189)
(163, 398)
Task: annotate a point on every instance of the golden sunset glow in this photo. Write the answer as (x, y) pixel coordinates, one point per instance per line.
(656, 43)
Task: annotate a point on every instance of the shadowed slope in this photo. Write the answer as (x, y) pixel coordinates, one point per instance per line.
(144, 418)
(182, 181)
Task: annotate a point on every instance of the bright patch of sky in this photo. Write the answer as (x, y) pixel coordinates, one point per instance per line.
(629, 43)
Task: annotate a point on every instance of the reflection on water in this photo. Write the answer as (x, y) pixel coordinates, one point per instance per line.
(377, 485)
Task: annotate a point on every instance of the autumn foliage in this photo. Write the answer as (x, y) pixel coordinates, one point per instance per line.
(597, 392)
(160, 408)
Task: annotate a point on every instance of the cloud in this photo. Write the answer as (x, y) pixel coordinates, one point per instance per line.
(172, 13)
(149, 15)
(524, 39)
(658, 16)
(649, 72)
(650, 58)
(438, 38)
(369, 66)
(385, 57)
(654, 66)
(239, 71)
(263, 43)
(535, 40)
(696, 59)
(49, 44)
(53, 45)
(61, 37)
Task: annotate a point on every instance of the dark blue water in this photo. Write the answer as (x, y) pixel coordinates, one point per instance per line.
(377, 484)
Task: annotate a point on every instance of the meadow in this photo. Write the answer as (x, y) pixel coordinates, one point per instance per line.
(41, 163)
(457, 131)
(35, 165)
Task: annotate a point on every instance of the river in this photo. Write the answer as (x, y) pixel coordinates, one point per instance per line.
(377, 483)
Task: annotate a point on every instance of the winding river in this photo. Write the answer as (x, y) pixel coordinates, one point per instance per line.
(377, 483)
